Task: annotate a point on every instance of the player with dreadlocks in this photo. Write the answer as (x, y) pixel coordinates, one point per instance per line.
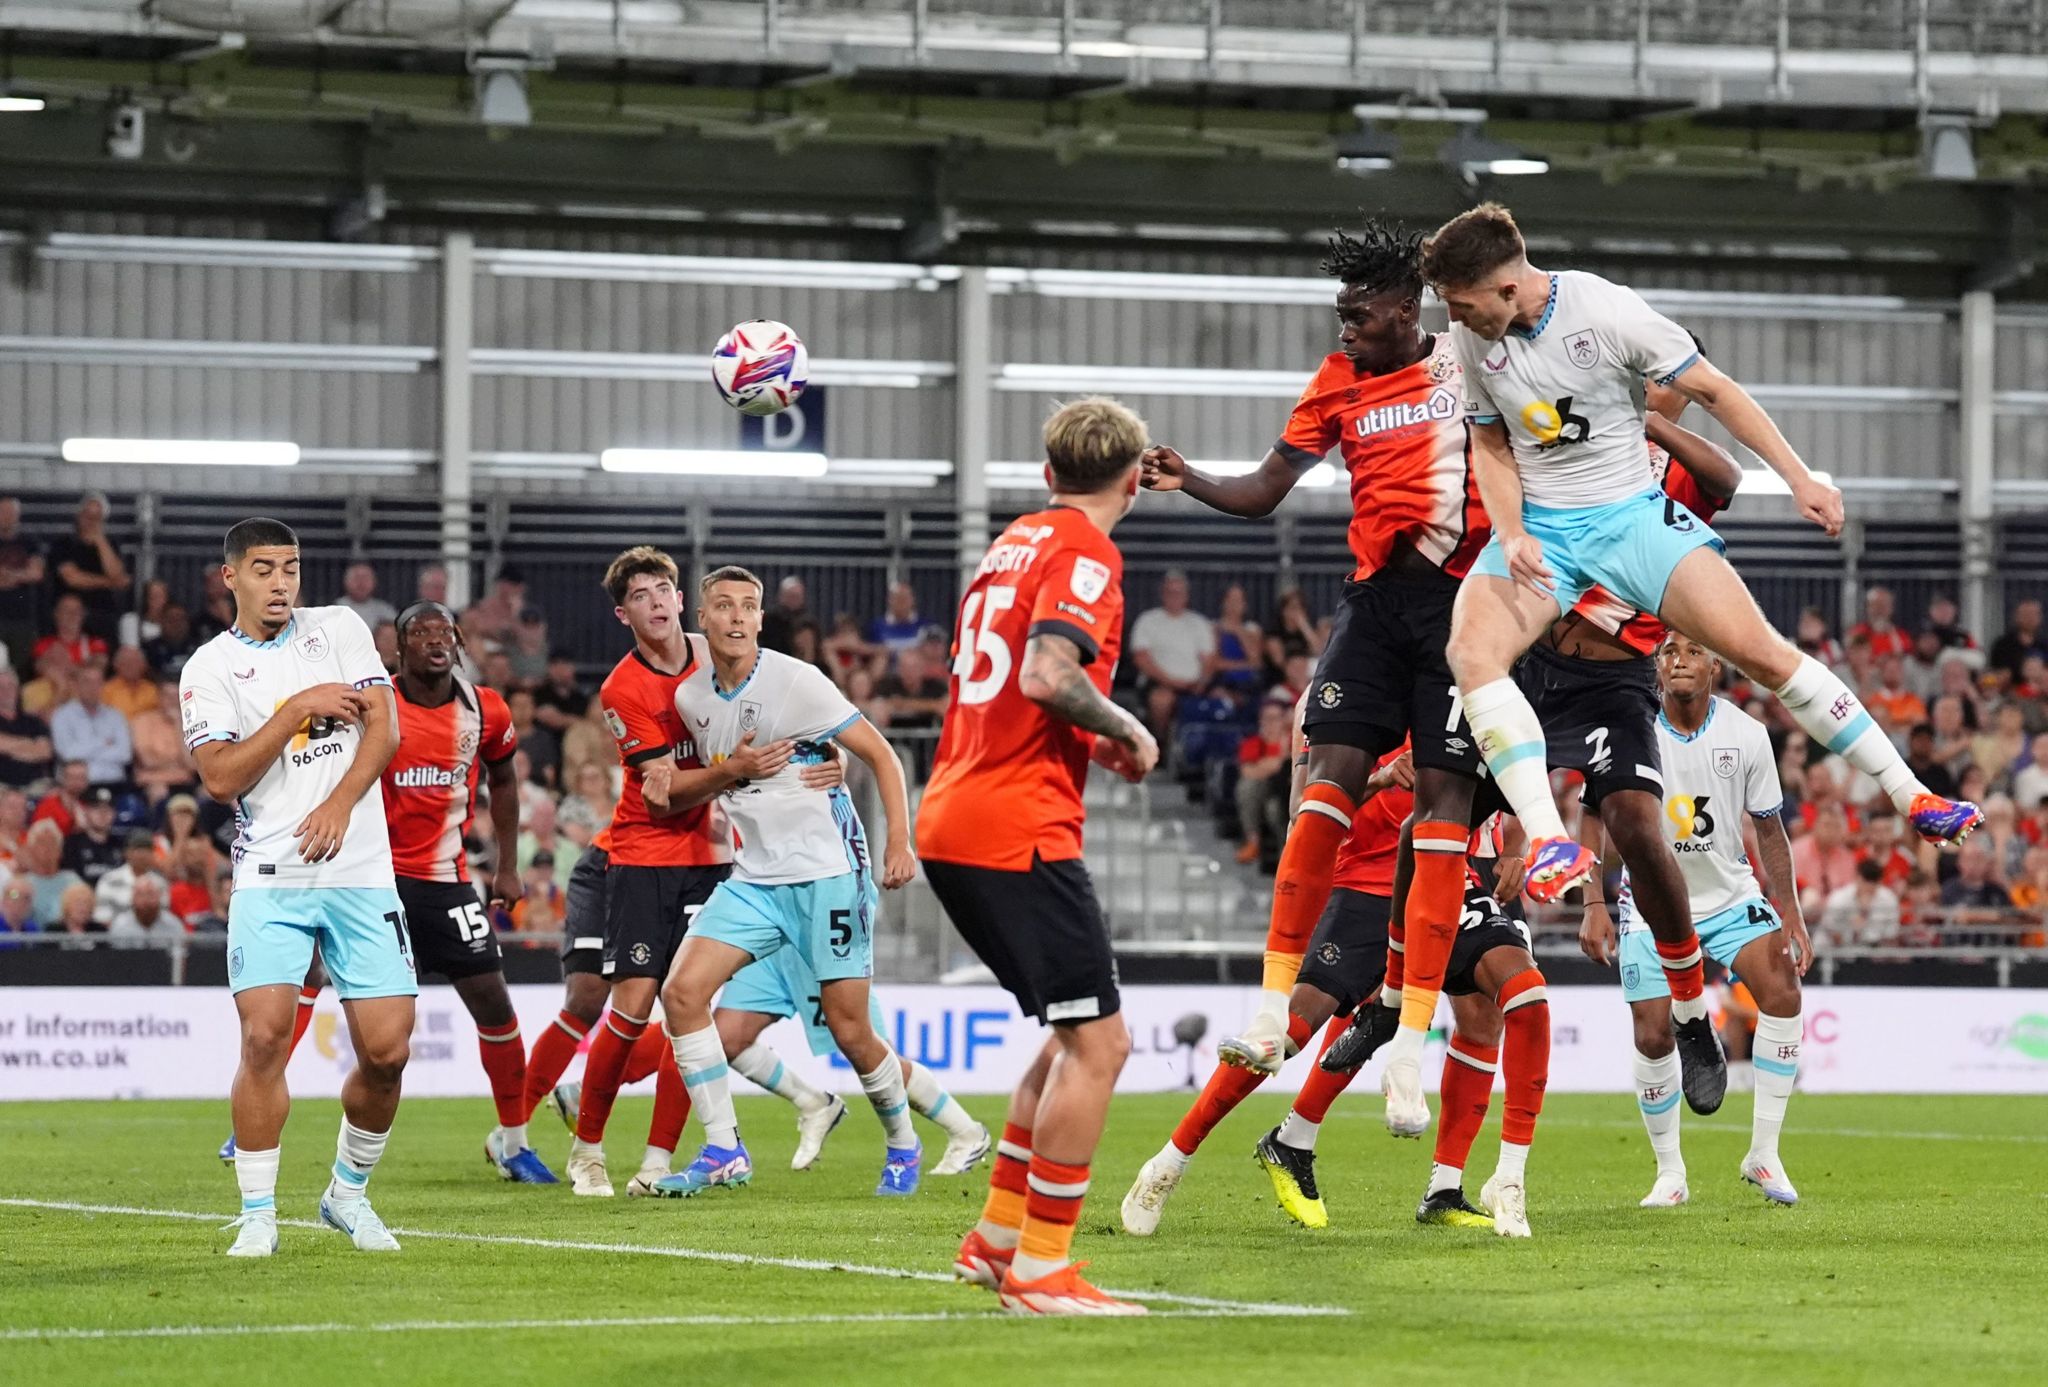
(1388, 399)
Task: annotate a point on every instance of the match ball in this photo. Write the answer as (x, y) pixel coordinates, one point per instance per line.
(760, 367)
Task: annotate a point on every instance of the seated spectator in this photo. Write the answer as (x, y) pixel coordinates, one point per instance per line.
(147, 917)
(1922, 671)
(528, 647)
(65, 803)
(131, 690)
(2029, 781)
(1877, 627)
(215, 920)
(494, 671)
(1174, 648)
(359, 595)
(23, 571)
(590, 798)
(1921, 759)
(52, 684)
(1822, 861)
(1959, 681)
(806, 644)
(68, 633)
(384, 640)
(937, 644)
(40, 863)
(489, 622)
(74, 917)
(540, 909)
(1920, 910)
(1294, 681)
(173, 643)
(543, 749)
(1240, 649)
(18, 908)
(778, 623)
(146, 623)
(916, 693)
(1900, 705)
(1976, 890)
(431, 585)
(13, 823)
(899, 627)
(26, 755)
(192, 869)
(85, 565)
(1859, 666)
(860, 692)
(588, 742)
(2021, 639)
(92, 850)
(179, 825)
(1884, 844)
(1950, 718)
(1264, 777)
(116, 889)
(846, 650)
(1292, 632)
(2030, 895)
(1864, 911)
(560, 698)
(539, 833)
(86, 729)
(162, 767)
(1995, 751)
(217, 610)
(2001, 833)
(1945, 620)
(1815, 638)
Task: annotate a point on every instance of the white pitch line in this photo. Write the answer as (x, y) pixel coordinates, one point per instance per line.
(207, 1331)
(696, 1254)
(1699, 1124)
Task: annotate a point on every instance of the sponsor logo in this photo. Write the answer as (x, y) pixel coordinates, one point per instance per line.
(1584, 349)
(315, 750)
(1329, 695)
(641, 955)
(1554, 425)
(1724, 763)
(1442, 404)
(617, 725)
(703, 722)
(1329, 953)
(1457, 746)
(2026, 1036)
(1655, 1093)
(245, 675)
(1081, 613)
(313, 645)
(1498, 361)
(429, 778)
(1839, 709)
(187, 696)
(1090, 580)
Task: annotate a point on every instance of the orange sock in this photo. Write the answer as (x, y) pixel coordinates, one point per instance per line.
(1302, 887)
(646, 1055)
(303, 1018)
(1051, 1211)
(1683, 966)
(1525, 1066)
(1002, 1217)
(602, 1069)
(505, 1066)
(1320, 1088)
(1397, 952)
(553, 1050)
(1435, 902)
(1227, 1087)
(1466, 1094)
(671, 1096)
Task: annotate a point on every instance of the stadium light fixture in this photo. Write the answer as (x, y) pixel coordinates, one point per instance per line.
(181, 452)
(1947, 149)
(691, 462)
(1366, 151)
(1472, 153)
(20, 103)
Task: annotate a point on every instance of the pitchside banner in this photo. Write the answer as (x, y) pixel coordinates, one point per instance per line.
(147, 1042)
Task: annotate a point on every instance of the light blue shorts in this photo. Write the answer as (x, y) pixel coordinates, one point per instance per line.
(1629, 547)
(829, 923)
(1722, 937)
(781, 985)
(360, 930)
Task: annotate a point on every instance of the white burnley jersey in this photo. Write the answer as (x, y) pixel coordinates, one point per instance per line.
(782, 832)
(230, 688)
(1711, 780)
(1570, 389)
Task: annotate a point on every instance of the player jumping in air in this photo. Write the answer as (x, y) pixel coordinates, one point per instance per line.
(1718, 770)
(1000, 834)
(449, 731)
(1553, 365)
(288, 714)
(1388, 399)
(800, 875)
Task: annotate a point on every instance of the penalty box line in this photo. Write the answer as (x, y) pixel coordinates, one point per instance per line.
(696, 1254)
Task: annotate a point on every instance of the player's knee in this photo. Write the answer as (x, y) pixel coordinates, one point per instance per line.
(1312, 1004)
(382, 1059)
(683, 995)
(1774, 661)
(1101, 1047)
(1653, 1036)
(266, 1045)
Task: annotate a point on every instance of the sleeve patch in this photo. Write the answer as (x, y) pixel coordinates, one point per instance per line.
(1090, 579)
(617, 725)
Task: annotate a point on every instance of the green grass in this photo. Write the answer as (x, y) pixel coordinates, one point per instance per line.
(1912, 1258)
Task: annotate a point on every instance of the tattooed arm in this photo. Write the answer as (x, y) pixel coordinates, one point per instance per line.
(1054, 679)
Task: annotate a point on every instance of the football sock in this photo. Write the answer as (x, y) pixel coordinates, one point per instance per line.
(1051, 1209)
(884, 1088)
(657, 1157)
(1319, 1090)
(355, 1155)
(701, 1057)
(303, 1018)
(1397, 957)
(1301, 887)
(1227, 1087)
(1514, 1163)
(1465, 1095)
(553, 1051)
(1829, 713)
(1002, 1217)
(1683, 963)
(645, 1057)
(1776, 1059)
(1525, 1061)
(764, 1067)
(256, 1173)
(933, 1102)
(603, 1067)
(1657, 1093)
(671, 1106)
(1511, 738)
(1436, 901)
(505, 1066)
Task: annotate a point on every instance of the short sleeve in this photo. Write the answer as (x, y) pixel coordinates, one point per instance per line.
(1650, 343)
(1312, 430)
(1080, 598)
(816, 711)
(1479, 405)
(357, 650)
(1766, 795)
(206, 705)
(634, 726)
(499, 742)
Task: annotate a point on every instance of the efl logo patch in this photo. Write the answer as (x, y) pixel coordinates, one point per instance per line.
(1090, 580)
(616, 723)
(1584, 349)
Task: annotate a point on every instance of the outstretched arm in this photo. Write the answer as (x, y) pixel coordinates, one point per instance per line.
(1251, 495)
(1739, 413)
(899, 863)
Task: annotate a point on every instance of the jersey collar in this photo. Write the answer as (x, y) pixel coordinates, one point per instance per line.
(1530, 334)
(741, 687)
(1712, 705)
(274, 643)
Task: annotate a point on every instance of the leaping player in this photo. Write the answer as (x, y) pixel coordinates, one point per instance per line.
(1718, 769)
(288, 714)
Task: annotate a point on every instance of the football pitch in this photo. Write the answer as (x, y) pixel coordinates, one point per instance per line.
(1919, 1253)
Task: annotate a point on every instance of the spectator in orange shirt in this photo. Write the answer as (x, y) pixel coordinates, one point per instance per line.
(1883, 844)
(1262, 782)
(1877, 626)
(2030, 894)
(130, 690)
(1901, 705)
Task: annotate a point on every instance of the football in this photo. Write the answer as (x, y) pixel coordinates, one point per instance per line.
(760, 367)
